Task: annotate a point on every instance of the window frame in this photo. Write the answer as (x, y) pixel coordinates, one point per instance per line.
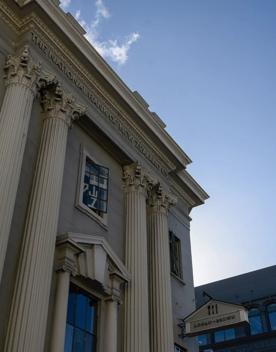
(225, 337)
(101, 220)
(179, 249)
(259, 315)
(178, 348)
(268, 315)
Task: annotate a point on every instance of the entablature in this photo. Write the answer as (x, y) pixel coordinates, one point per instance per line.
(48, 28)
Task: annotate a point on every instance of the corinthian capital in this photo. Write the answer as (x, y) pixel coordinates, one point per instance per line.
(58, 104)
(135, 178)
(159, 200)
(21, 69)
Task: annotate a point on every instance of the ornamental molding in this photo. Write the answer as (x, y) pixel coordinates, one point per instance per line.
(91, 258)
(44, 39)
(56, 103)
(21, 69)
(55, 51)
(9, 17)
(67, 252)
(136, 178)
(64, 59)
(180, 193)
(102, 100)
(160, 201)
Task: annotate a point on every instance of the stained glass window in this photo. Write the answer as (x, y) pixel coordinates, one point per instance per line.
(95, 187)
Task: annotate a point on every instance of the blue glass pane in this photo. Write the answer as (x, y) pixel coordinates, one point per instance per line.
(202, 339)
(89, 318)
(81, 311)
(224, 335)
(69, 338)
(71, 308)
(103, 171)
(254, 312)
(79, 341)
(272, 307)
(103, 194)
(229, 334)
(272, 320)
(255, 324)
(88, 343)
(219, 336)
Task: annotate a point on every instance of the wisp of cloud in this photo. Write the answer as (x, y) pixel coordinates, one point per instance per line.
(115, 50)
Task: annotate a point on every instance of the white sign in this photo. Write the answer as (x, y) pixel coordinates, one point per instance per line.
(214, 315)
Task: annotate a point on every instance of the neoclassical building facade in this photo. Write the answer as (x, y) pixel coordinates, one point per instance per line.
(95, 199)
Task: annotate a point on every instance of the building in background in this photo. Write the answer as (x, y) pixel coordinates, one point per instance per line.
(95, 199)
(257, 292)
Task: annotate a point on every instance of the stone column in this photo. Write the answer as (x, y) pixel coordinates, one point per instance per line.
(21, 76)
(66, 252)
(136, 320)
(111, 317)
(161, 322)
(28, 317)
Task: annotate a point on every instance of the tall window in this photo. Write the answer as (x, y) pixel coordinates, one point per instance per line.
(95, 187)
(81, 322)
(255, 321)
(224, 335)
(271, 310)
(175, 255)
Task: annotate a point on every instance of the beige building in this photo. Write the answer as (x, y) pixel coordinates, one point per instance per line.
(95, 199)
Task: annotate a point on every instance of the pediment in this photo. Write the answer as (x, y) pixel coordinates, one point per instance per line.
(215, 314)
(95, 260)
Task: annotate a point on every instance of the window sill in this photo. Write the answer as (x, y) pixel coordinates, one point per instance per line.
(95, 217)
(178, 279)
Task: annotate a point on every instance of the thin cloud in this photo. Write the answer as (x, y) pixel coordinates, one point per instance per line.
(101, 13)
(115, 50)
(65, 4)
(112, 49)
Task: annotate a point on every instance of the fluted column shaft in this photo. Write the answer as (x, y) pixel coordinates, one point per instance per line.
(21, 77)
(111, 326)
(28, 317)
(136, 323)
(161, 321)
(60, 312)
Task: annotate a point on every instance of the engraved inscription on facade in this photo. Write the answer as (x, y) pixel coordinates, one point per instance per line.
(112, 116)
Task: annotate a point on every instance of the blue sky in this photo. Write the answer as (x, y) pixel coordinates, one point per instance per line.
(208, 68)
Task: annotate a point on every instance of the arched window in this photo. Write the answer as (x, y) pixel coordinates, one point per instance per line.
(271, 310)
(255, 321)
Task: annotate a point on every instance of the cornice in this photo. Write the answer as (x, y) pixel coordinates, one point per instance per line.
(182, 194)
(9, 17)
(190, 182)
(104, 102)
(62, 21)
(55, 50)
